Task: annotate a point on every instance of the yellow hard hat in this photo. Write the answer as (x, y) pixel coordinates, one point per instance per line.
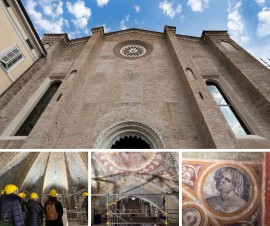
(22, 195)
(85, 194)
(10, 188)
(53, 193)
(34, 195)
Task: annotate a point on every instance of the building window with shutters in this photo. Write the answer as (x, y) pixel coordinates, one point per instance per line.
(35, 114)
(231, 116)
(10, 58)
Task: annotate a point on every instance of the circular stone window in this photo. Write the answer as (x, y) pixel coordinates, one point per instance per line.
(132, 49)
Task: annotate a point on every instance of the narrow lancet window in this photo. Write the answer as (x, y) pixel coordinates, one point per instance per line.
(34, 116)
(235, 122)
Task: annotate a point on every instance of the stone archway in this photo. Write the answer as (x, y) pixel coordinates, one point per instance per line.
(130, 130)
(130, 142)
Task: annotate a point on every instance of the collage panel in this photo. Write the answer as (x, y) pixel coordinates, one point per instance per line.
(174, 76)
(135, 188)
(44, 188)
(224, 188)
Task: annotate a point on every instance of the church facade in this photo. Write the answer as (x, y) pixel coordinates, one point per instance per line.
(162, 89)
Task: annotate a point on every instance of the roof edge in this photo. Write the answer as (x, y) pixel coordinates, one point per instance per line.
(32, 26)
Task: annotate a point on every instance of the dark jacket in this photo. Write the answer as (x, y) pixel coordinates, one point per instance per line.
(11, 210)
(59, 210)
(35, 213)
(85, 206)
(24, 210)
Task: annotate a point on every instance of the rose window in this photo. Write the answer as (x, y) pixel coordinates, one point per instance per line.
(132, 51)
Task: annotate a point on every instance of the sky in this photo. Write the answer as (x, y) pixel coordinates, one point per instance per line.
(247, 21)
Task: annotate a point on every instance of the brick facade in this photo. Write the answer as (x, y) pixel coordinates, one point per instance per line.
(162, 96)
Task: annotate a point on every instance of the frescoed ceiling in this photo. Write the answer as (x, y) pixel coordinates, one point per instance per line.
(157, 168)
(135, 173)
(67, 172)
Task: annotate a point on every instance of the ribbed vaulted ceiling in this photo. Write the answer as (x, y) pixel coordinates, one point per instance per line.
(40, 171)
(132, 172)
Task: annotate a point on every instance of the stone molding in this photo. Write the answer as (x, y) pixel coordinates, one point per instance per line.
(214, 34)
(190, 39)
(63, 38)
(98, 30)
(129, 127)
(170, 29)
(134, 31)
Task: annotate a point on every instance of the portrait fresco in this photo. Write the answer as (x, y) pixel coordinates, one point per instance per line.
(227, 190)
(222, 189)
(191, 217)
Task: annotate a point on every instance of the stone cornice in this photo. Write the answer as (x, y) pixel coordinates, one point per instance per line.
(134, 31)
(214, 34)
(191, 39)
(97, 30)
(63, 38)
(170, 29)
(54, 37)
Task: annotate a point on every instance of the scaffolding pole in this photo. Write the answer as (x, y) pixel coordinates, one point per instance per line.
(114, 216)
(108, 213)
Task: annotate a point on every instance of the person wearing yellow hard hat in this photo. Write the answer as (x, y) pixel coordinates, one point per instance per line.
(24, 208)
(22, 195)
(35, 210)
(53, 210)
(85, 203)
(11, 210)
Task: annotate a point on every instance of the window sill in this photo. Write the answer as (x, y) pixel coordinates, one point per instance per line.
(249, 136)
(13, 137)
(252, 141)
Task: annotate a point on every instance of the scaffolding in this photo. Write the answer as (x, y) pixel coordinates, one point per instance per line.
(113, 214)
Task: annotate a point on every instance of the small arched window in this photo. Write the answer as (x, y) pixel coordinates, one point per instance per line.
(35, 114)
(233, 119)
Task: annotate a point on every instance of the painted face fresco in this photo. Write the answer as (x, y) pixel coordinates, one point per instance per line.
(225, 184)
(232, 193)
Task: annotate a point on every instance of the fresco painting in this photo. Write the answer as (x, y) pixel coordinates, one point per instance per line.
(220, 192)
